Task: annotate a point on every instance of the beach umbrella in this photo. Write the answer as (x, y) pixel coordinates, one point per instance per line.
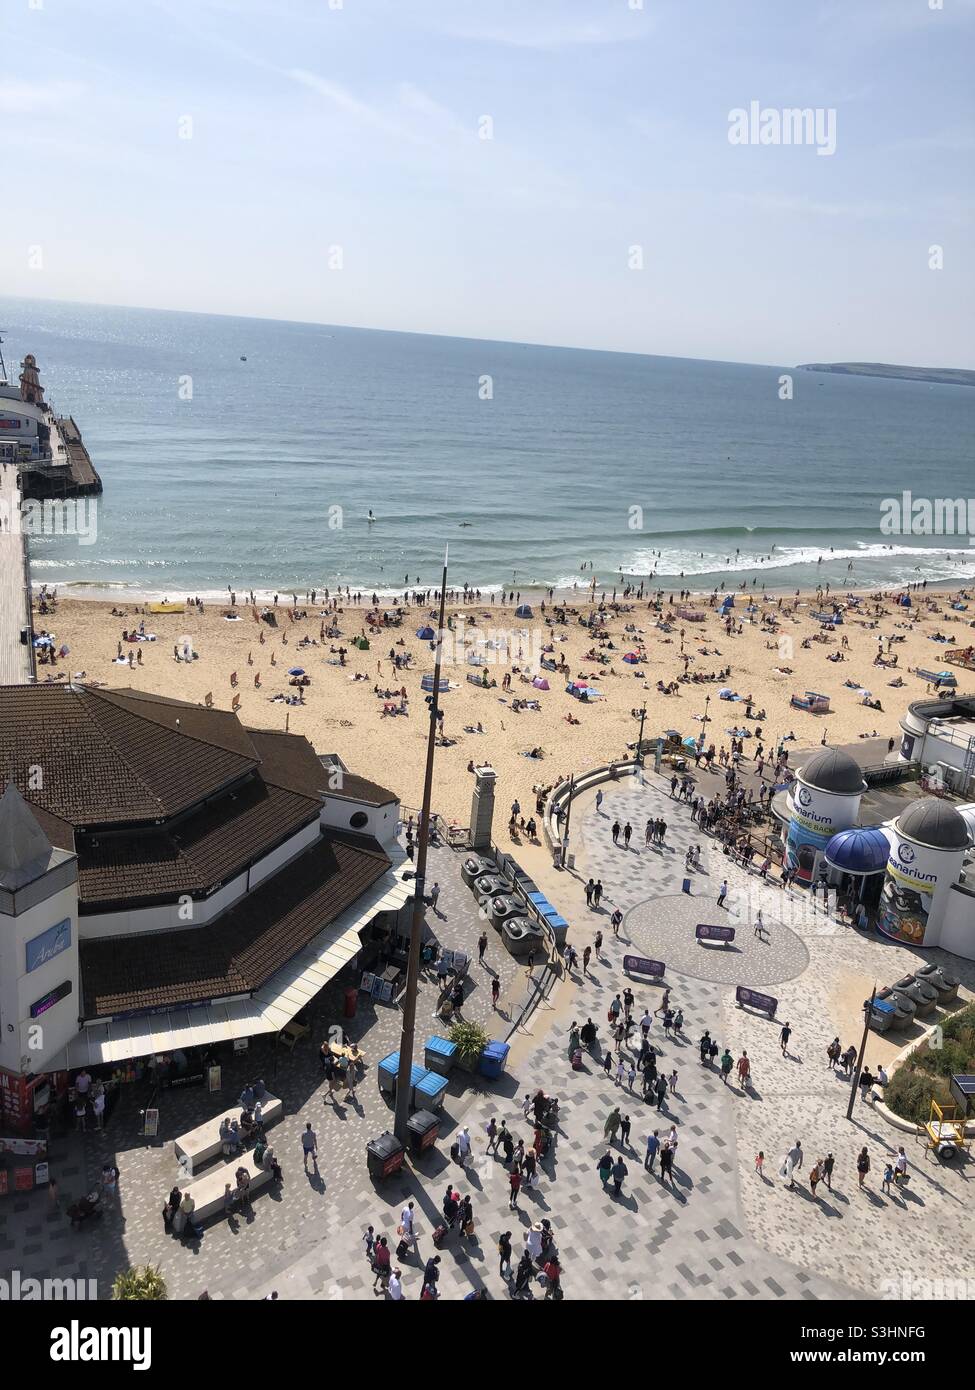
(427, 683)
(726, 690)
(426, 634)
(540, 683)
(631, 657)
(524, 610)
(296, 670)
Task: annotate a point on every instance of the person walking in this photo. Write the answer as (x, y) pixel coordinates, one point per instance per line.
(597, 894)
(827, 1170)
(627, 832)
(620, 1171)
(463, 1142)
(833, 1053)
(744, 1069)
(625, 1126)
(704, 1046)
(434, 896)
(482, 942)
(616, 832)
(815, 1176)
(900, 1167)
(616, 921)
(653, 1148)
(491, 1129)
(722, 892)
(495, 992)
(667, 1162)
(672, 1082)
(586, 957)
(660, 1088)
(784, 1037)
(727, 1062)
(605, 1167)
(514, 1181)
(611, 1127)
(863, 1166)
(309, 1146)
(590, 889)
(394, 1287)
(504, 1255)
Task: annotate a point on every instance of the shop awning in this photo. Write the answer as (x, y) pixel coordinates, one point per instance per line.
(266, 1011)
(858, 851)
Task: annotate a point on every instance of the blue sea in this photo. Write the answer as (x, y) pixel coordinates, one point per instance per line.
(531, 462)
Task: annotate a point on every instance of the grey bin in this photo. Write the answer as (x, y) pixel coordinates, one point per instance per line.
(476, 866)
(940, 979)
(904, 1007)
(520, 934)
(925, 996)
(503, 908)
(489, 886)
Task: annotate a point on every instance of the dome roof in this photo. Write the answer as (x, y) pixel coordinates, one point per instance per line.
(858, 850)
(832, 771)
(935, 823)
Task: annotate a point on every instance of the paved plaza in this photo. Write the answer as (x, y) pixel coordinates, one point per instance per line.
(719, 1232)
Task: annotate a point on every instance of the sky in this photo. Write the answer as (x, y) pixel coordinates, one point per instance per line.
(326, 160)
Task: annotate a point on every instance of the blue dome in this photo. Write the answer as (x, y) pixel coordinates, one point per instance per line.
(858, 851)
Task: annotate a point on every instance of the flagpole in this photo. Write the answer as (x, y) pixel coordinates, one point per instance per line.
(407, 1036)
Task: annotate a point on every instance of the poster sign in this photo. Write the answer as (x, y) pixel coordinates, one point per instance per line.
(241, 1044)
(48, 1001)
(705, 932)
(40, 949)
(367, 983)
(639, 965)
(151, 1126)
(386, 991)
(764, 1002)
(213, 1079)
(23, 1164)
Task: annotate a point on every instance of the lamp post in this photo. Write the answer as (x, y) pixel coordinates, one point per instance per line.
(568, 818)
(867, 1010)
(639, 742)
(407, 1036)
(704, 721)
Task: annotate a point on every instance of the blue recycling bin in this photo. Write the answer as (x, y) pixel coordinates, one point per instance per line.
(429, 1089)
(388, 1070)
(440, 1054)
(494, 1059)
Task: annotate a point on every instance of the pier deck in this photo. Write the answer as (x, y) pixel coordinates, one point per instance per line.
(15, 658)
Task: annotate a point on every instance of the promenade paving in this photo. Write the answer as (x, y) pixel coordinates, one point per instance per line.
(720, 1232)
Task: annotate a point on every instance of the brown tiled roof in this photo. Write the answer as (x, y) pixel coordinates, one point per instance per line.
(359, 789)
(289, 760)
(109, 757)
(200, 851)
(243, 948)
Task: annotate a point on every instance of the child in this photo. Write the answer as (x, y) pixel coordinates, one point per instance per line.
(620, 1071)
(888, 1177)
(369, 1241)
(760, 1162)
(608, 1062)
(631, 1077)
(673, 1083)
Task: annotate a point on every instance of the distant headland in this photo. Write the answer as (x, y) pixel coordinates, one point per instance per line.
(948, 376)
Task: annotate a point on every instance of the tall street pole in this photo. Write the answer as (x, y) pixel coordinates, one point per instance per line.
(639, 745)
(867, 1011)
(407, 1037)
(568, 818)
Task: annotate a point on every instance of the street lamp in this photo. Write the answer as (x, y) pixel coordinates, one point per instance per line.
(568, 818)
(639, 742)
(407, 1036)
(704, 720)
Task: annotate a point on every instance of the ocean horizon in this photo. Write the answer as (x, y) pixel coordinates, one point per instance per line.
(531, 462)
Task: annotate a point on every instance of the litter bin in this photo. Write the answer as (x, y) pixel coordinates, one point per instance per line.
(429, 1090)
(386, 1072)
(439, 1054)
(494, 1059)
(423, 1129)
(384, 1155)
(351, 1000)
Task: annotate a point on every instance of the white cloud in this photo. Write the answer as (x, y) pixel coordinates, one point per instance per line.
(27, 98)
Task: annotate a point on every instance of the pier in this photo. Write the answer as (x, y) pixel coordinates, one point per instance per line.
(16, 655)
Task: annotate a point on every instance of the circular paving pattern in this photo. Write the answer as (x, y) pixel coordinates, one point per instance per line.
(663, 929)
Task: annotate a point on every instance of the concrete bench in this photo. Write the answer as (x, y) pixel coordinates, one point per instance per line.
(199, 1145)
(208, 1190)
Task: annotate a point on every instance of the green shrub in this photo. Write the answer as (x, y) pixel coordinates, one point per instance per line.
(911, 1090)
(143, 1283)
(470, 1039)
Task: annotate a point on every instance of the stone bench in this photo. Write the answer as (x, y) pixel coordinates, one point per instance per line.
(208, 1190)
(199, 1145)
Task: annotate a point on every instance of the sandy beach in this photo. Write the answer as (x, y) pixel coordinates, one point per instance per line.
(343, 713)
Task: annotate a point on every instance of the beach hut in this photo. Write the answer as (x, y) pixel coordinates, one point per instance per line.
(540, 683)
(524, 610)
(426, 634)
(427, 684)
